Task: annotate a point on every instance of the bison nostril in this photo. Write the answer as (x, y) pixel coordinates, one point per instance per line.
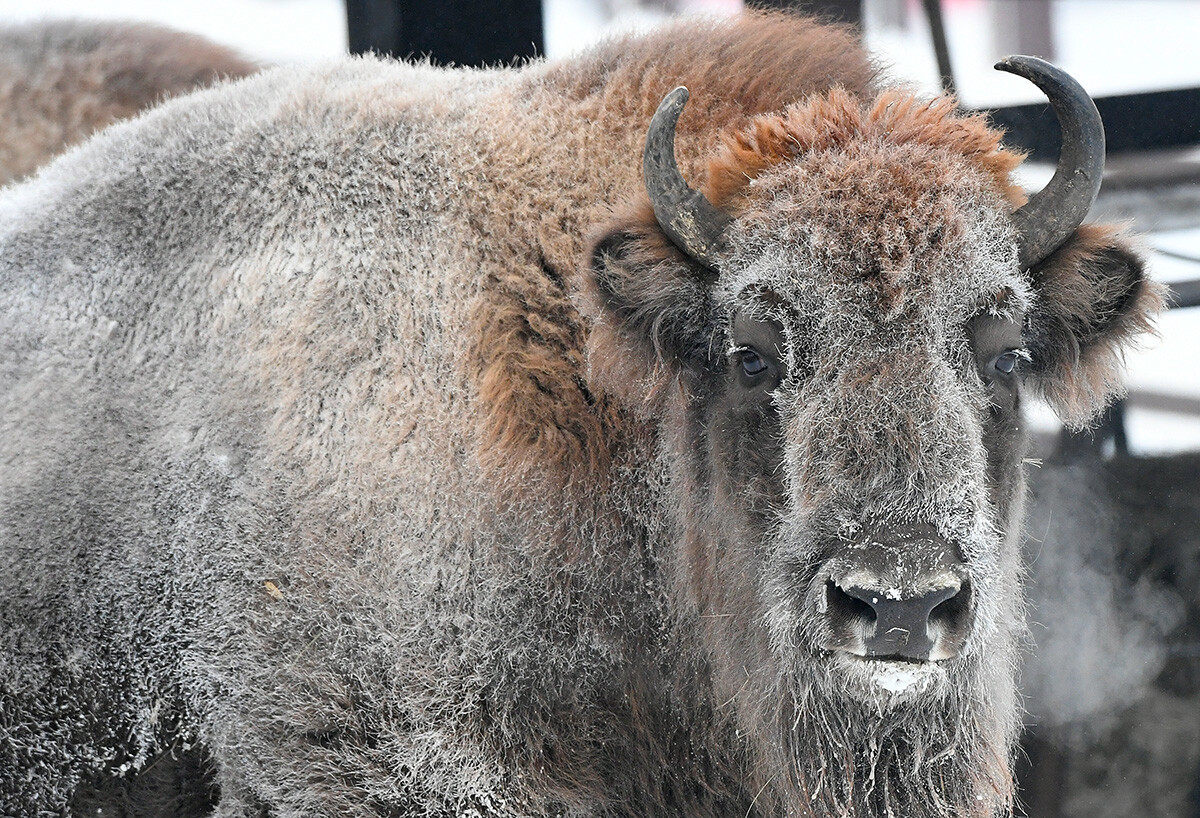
(953, 616)
(847, 608)
(896, 624)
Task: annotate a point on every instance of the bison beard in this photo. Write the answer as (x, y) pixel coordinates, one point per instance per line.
(935, 755)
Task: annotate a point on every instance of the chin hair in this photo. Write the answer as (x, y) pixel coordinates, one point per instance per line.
(848, 746)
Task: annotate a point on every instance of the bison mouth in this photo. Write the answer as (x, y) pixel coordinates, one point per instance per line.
(893, 679)
(888, 648)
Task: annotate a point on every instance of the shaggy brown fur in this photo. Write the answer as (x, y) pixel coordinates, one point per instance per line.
(1098, 301)
(62, 81)
(529, 339)
(836, 120)
(885, 208)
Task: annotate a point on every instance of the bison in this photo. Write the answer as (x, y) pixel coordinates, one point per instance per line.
(61, 81)
(378, 439)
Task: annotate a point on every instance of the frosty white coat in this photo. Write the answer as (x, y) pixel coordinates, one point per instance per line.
(369, 446)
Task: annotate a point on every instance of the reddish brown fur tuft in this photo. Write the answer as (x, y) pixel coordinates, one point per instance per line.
(528, 355)
(835, 119)
(539, 408)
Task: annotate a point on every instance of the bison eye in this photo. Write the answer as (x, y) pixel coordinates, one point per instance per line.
(752, 363)
(753, 368)
(1006, 363)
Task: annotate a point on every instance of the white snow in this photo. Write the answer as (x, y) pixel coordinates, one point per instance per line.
(897, 677)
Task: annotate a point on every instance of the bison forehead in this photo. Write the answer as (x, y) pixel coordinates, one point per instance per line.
(874, 233)
(906, 429)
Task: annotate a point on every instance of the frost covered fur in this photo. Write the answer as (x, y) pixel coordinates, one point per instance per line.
(62, 81)
(367, 450)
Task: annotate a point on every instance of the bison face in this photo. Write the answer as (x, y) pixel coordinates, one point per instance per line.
(844, 445)
(856, 444)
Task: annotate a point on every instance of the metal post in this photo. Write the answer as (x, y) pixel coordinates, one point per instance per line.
(459, 32)
(937, 27)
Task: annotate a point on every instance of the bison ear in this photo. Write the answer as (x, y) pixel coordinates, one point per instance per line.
(1093, 302)
(651, 309)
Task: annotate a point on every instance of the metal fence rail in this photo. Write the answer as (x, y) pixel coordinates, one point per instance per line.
(1184, 294)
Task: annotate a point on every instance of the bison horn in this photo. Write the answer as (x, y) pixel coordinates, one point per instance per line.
(1052, 215)
(691, 221)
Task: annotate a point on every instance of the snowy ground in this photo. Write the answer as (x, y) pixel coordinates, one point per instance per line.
(1111, 46)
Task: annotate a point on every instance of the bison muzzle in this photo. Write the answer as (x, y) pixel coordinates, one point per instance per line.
(901, 594)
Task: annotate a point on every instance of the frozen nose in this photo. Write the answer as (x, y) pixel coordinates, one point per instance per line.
(898, 625)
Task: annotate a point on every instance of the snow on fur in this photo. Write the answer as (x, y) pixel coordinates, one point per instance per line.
(367, 450)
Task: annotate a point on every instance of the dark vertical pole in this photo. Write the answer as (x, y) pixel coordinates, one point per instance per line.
(373, 25)
(462, 32)
(1026, 27)
(937, 27)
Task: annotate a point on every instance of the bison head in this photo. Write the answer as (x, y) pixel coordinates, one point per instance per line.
(837, 336)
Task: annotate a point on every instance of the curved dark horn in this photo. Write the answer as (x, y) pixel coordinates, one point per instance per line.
(1052, 215)
(691, 221)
